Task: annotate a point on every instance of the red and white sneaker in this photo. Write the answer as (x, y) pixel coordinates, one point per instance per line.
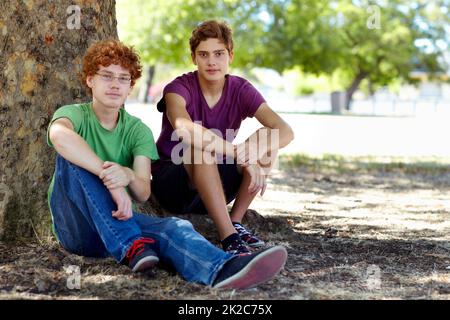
(140, 256)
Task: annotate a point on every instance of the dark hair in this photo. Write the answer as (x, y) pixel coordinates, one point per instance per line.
(211, 29)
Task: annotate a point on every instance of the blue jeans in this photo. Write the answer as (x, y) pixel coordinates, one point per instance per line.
(81, 207)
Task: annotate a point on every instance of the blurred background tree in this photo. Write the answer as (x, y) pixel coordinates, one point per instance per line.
(160, 30)
(351, 41)
(379, 41)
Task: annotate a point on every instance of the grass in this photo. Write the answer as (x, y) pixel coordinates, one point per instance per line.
(345, 114)
(342, 164)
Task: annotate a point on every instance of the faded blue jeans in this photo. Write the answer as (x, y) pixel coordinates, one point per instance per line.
(81, 208)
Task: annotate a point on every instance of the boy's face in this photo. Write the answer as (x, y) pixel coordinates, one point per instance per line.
(212, 59)
(110, 86)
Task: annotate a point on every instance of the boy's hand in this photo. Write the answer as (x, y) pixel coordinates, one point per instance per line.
(115, 176)
(123, 202)
(257, 178)
(250, 152)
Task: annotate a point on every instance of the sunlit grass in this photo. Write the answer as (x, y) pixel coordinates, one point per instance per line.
(338, 163)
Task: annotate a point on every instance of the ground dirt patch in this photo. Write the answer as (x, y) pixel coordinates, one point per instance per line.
(350, 234)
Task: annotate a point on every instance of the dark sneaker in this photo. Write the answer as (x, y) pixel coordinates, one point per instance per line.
(140, 256)
(237, 247)
(246, 236)
(248, 271)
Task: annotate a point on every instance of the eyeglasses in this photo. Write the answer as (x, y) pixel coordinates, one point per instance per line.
(110, 78)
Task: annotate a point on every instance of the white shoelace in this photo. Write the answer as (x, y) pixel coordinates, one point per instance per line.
(241, 230)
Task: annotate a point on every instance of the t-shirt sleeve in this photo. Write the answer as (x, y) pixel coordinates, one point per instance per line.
(73, 112)
(144, 143)
(250, 100)
(179, 87)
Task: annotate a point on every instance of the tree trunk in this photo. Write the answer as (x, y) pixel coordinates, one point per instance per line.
(145, 89)
(353, 87)
(371, 89)
(41, 48)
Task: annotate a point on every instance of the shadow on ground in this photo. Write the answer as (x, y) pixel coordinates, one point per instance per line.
(354, 235)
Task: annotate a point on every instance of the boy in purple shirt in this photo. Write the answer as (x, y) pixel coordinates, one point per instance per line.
(203, 110)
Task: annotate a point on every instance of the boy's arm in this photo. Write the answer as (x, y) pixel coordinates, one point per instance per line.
(140, 186)
(137, 179)
(260, 142)
(192, 133)
(73, 147)
(260, 147)
(271, 120)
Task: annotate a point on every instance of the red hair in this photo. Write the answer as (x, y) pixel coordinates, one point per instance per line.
(107, 52)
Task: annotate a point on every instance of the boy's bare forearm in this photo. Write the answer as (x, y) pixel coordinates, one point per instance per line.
(139, 187)
(201, 138)
(272, 138)
(75, 149)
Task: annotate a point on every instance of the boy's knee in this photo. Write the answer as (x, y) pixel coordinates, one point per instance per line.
(60, 161)
(177, 223)
(63, 164)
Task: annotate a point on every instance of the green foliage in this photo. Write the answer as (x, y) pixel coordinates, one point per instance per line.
(160, 29)
(374, 37)
(343, 37)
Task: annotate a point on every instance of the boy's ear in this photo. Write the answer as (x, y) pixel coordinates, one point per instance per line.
(193, 58)
(89, 81)
(231, 56)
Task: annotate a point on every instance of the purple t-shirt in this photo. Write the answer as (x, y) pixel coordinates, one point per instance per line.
(239, 100)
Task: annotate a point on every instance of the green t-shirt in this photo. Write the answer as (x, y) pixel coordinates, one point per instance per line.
(130, 138)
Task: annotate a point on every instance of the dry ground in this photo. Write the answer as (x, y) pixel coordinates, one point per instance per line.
(355, 232)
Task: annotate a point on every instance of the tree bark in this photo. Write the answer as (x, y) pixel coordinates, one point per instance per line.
(353, 87)
(41, 49)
